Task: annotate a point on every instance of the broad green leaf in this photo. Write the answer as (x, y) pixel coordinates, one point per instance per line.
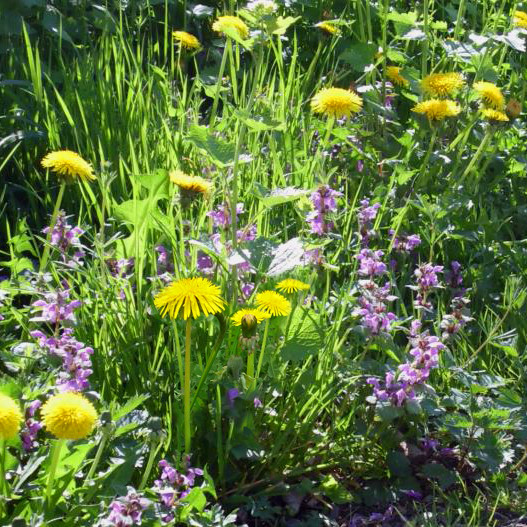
(277, 196)
(278, 26)
(304, 336)
(336, 492)
(221, 152)
(286, 257)
(358, 56)
(259, 123)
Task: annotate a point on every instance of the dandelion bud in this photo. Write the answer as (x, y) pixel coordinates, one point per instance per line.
(513, 109)
(249, 323)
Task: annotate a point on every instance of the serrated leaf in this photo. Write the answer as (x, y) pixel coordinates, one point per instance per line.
(279, 25)
(334, 490)
(278, 196)
(358, 56)
(443, 475)
(398, 463)
(286, 257)
(219, 150)
(304, 337)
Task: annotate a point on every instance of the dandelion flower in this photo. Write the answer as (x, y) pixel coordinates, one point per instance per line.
(191, 184)
(442, 84)
(273, 303)
(262, 7)
(328, 28)
(195, 295)
(494, 115)
(69, 415)
(241, 314)
(68, 165)
(394, 75)
(336, 102)
(520, 19)
(290, 285)
(490, 94)
(437, 109)
(10, 417)
(233, 23)
(186, 40)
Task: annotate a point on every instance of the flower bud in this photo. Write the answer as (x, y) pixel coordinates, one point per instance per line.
(249, 323)
(513, 109)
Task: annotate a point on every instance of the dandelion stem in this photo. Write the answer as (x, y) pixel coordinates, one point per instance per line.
(250, 365)
(186, 388)
(149, 465)
(54, 216)
(424, 51)
(218, 87)
(262, 351)
(3, 481)
(98, 454)
(55, 456)
(475, 159)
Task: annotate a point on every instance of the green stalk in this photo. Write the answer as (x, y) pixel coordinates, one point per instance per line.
(55, 456)
(218, 87)
(149, 465)
(262, 351)
(56, 211)
(250, 366)
(481, 148)
(98, 454)
(3, 481)
(186, 390)
(460, 15)
(424, 50)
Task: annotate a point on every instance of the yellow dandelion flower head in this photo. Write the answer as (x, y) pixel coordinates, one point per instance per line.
(490, 94)
(68, 165)
(520, 19)
(442, 84)
(273, 303)
(336, 102)
(192, 184)
(186, 40)
(258, 315)
(69, 415)
(195, 295)
(233, 23)
(494, 115)
(437, 109)
(290, 285)
(394, 75)
(10, 417)
(328, 28)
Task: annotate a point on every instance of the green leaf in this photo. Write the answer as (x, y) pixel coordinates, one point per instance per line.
(233, 33)
(443, 475)
(130, 405)
(398, 464)
(359, 56)
(334, 490)
(259, 123)
(278, 196)
(304, 337)
(221, 152)
(278, 26)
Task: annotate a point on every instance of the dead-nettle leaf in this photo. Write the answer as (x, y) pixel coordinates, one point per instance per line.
(515, 39)
(241, 256)
(278, 196)
(287, 256)
(414, 34)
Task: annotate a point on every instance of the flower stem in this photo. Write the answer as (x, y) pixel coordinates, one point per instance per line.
(98, 455)
(55, 456)
(3, 481)
(475, 159)
(218, 87)
(54, 216)
(262, 351)
(250, 366)
(149, 465)
(186, 388)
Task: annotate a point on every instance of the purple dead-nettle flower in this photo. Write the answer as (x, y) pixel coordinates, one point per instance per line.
(319, 224)
(204, 263)
(221, 217)
(405, 243)
(173, 486)
(366, 215)
(76, 361)
(246, 290)
(63, 236)
(31, 427)
(257, 403)
(126, 510)
(232, 394)
(359, 166)
(426, 275)
(371, 263)
(324, 199)
(313, 257)
(454, 279)
(164, 263)
(247, 234)
(119, 268)
(56, 308)
(374, 313)
(458, 317)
